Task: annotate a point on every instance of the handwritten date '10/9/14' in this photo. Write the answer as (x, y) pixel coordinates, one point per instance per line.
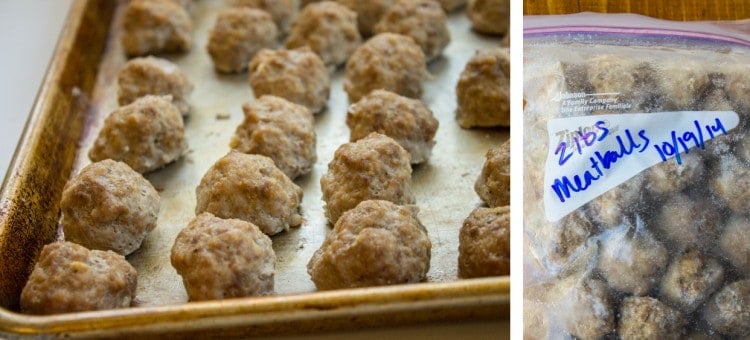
(628, 143)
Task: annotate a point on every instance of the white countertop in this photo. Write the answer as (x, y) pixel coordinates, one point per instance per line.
(30, 32)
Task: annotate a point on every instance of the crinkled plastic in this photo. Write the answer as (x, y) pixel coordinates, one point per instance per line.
(636, 177)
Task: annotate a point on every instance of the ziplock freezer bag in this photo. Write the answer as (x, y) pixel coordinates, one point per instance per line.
(636, 178)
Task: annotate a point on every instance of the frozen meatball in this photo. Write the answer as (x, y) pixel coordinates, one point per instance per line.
(691, 279)
(734, 243)
(329, 29)
(375, 167)
(223, 258)
(369, 13)
(489, 16)
(648, 318)
(589, 311)
(484, 243)
(631, 259)
(237, 35)
(686, 83)
(483, 89)
(376, 243)
(109, 206)
(155, 26)
(408, 121)
(609, 209)
(250, 188)
(493, 184)
(669, 177)
(728, 311)
(688, 222)
(70, 278)
(387, 61)
(451, 5)
(730, 181)
(283, 12)
(634, 81)
(422, 20)
(153, 76)
(298, 76)
(564, 238)
(146, 134)
(281, 130)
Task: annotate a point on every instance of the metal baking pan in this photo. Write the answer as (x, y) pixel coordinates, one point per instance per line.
(79, 91)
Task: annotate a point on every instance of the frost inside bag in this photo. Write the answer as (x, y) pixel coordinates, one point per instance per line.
(636, 178)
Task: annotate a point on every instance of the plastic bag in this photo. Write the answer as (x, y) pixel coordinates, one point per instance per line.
(636, 177)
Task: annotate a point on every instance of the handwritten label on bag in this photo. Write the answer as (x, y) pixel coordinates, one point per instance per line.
(590, 155)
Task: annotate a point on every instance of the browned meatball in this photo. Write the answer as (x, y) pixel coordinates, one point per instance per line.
(220, 258)
(70, 278)
(422, 20)
(728, 311)
(734, 243)
(609, 209)
(153, 76)
(376, 243)
(109, 206)
(489, 16)
(730, 181)
(483, 89)
(588, 310)
(691, 279)
(284, 12)
(369, 12)
(688, 222)
(155, 26)
(451, 5)
(408, 121)
(237, 35)
(484, 243)
(563, 239)
(648, 318)
(493, 184)
(146, 134)
(250, 188)
(329, 29)
(631, 259)
(298, 76)
(375, 167)
(281, 130)
(387, 61)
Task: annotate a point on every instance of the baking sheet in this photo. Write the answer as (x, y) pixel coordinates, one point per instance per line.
(443, 187)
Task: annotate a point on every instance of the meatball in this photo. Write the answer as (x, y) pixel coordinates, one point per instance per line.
(387, 61)
(686, 83)
(408, 121)
(70, 278)
(589, 311)
(648, 318)
(563, 239)
(155, 26)
(250, 188)
(688, 222)
(482, 91)
(691, 279)
(374, 167)
(609, 209)
(281, 130)
(283, 12)
(451, 5)
(633, 80)
(493, 184)
(220, 258)
(631, 259)
(298, 76)
(153, 76)
(484, 243)
(489, 16)
(376, 243)
(734, 242)
(146, 134)
(329, 29)
(368, 13)
(669, 177)
(422, 20)
(109, 206)
(728, 311)
(730, 181)
(237, 35)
